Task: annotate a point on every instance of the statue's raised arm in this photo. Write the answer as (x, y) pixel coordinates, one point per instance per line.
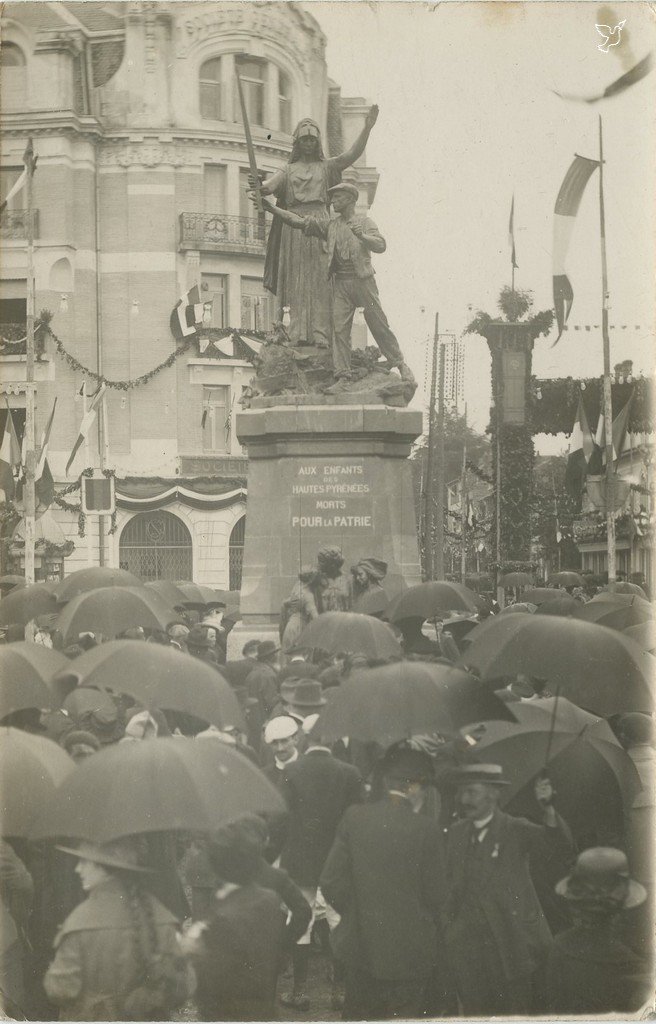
(349, 156)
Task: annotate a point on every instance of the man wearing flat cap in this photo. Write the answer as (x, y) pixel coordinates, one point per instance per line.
(496, 933)
(350, 240)
(385, 876)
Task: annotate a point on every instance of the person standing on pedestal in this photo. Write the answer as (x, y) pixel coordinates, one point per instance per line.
(350, 241)
(296, 267)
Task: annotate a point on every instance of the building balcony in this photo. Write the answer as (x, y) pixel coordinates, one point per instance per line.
(216, 232)
(13, 338)
(13, 223)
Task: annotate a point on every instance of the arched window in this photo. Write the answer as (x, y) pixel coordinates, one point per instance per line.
(236, 553)
(285, 102)
(210, 89)
(156, 546)
(252, 74)
(13, 77)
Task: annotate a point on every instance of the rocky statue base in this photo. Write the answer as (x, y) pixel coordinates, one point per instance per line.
(324, 471)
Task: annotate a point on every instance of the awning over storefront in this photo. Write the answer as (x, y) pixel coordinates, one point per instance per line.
(145, 494)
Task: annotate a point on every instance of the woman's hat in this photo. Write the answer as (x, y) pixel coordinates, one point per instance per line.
(118, 854)
(601, 876)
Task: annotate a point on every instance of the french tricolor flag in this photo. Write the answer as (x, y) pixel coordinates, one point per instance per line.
(187, 315)
(567, 206)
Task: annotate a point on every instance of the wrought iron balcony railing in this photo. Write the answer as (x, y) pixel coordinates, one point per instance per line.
(13, 223)
(217, 232)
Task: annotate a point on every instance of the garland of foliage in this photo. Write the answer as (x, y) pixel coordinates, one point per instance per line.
(122, 385)
(553, 403)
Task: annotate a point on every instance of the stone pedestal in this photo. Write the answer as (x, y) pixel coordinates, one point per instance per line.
(323, 474)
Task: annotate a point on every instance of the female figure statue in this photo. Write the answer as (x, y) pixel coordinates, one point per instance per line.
(296, 265)
(299, 608)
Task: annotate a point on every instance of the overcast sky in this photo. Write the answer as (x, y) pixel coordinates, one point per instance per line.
(468, 116)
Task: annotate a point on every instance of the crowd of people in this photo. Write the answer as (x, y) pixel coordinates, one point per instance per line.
(403, 867)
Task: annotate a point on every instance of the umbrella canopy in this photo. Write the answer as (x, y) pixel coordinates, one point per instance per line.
(619, 600)
(84, 699)
(565, 579)
(24, 603)
(644, 635)
(111, 610)
(607, 614)
(198, 594)
(31, 768)
(520, 606)
(351, 632)
(17, 696)
(429, 600)
(622, 587)
(9, 581)
(157, 676)
(597, 668)
(563, 605)
(91, 579)
(22, 664)
(156, 786)
(538, 595)
(554, 732)
(169, 591)
(407, 699)
(516, 579)
(374, 602)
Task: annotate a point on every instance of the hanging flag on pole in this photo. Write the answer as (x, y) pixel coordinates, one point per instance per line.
(565, 210)
(580, 450)
(30, 161)
(43, 481)
(620, 426)
(637, 72)
(187, 315)
(7, 485)
(511, 235)
(87, 422)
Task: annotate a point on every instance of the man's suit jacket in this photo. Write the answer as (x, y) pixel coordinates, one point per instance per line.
(360, 254)
(385, 876)
(317, 789)
(502, 886)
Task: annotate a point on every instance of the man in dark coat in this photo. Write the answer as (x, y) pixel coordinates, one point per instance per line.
(262, 682)
(385, 876)
(317, 789)
(496, 933)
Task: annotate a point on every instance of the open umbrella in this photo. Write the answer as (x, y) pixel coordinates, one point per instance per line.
(538, 595)
(619, 600)
(373, 602)
(24, 603)
(597, 668)
(520, 606)
(111, 610)
(516, 579)
(592, 774)
(408, 698)
(169, 591)
(623, 587)
(353, 633)
(644, 635)
(23, 663)
(31, 768)
(85, 699)
(198, 594)
(92, 579)
(565, 579)
(429, 600)
(10, 581)
(157, 786)
(614, 616)
(159, 677)
(17, 696)
(563, 605)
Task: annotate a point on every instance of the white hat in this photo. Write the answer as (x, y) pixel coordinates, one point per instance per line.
(281, 728)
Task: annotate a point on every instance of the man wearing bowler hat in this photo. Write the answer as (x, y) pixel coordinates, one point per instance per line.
(262, 682)
(496, 933)
(350, 240)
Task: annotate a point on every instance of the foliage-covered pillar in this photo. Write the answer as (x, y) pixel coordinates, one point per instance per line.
(511, 346)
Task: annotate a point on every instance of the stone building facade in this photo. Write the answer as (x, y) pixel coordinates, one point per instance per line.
(139, 194)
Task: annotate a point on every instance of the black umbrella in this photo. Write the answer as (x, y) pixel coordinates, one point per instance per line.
(24, 604)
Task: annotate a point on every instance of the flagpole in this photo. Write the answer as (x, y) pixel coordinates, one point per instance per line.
(608, 400)
(464, 508)
(430, 452)
(29, 491)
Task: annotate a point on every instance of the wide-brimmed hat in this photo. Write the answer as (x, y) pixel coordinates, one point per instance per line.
(344, 186)
(307, 694)
(198, 637)
(267, 649)
(490, 774)
(601, 877)
(118, 854)
(408, 765)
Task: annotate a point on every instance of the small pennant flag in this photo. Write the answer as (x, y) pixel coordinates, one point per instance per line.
(29, 159)
(7, 485)
(638, 72)
(87, 423)
(187, 315)
(44, 483)
(567, 205)
(511, 235)
(581, 447)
